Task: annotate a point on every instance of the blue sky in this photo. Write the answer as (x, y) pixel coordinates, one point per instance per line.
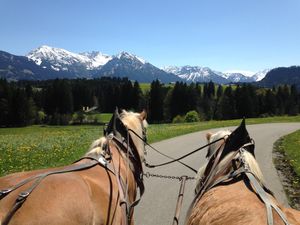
(224, 35)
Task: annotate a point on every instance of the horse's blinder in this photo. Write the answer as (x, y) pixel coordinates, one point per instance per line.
(238, 138)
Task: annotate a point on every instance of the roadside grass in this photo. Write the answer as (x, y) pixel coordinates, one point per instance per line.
(287, 163)
(158, 132)
(290, 145)
(37, 147)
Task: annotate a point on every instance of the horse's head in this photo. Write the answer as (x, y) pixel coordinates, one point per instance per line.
(229, 143)
(136, 124)
(121, 125)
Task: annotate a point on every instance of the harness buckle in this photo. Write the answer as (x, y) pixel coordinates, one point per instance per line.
(4, 192)
(102, 160)
(110, 136)
(23, 196)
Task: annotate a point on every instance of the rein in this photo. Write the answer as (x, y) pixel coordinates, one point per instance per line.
(173, 159)
(181, 157)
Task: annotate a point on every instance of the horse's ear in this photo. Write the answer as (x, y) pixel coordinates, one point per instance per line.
(208, 135)
(243, 124)
(236, 139)
(143, 115)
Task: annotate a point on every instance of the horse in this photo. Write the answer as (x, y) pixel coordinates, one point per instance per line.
(100, 188)
(230, 187)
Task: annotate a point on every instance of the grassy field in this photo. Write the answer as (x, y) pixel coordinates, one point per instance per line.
(101, 117)
(163, 131)
(47, 146)
(145, 87)
(291, 146)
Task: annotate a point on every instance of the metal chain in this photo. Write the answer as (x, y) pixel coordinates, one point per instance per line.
(148, 175)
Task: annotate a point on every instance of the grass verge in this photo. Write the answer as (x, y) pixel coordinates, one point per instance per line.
(37, 147)
(158, 132)
(287, 163)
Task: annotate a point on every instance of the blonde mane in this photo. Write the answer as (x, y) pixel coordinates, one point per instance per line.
(249, 159)
(132, 121)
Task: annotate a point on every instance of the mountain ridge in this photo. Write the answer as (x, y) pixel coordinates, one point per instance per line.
(54, 62)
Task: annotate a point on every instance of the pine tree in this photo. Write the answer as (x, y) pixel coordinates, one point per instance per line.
(270, 102)
(156, 99)
(136, 96)
(227, 108)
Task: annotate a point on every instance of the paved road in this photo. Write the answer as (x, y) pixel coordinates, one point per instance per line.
(158, 204)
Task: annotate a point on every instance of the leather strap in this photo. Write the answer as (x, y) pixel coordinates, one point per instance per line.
(38, 178)
(266, 199)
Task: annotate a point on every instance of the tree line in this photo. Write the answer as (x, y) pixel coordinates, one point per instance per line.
(57, 101)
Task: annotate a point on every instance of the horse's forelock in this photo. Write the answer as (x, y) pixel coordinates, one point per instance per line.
(213, 137)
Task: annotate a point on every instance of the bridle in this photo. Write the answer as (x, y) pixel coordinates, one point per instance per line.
(115, 131)
(213, 176)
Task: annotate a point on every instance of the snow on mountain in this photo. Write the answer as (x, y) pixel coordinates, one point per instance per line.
(243, 72)
(260, 75)
(61, 59)
(14, 68)
(127, 65)
(128, 56)
(205, 74)
(237, 77)
(95, 64)
(97, 59)
(195, 74)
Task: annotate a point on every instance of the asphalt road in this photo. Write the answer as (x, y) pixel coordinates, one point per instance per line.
(157, 206)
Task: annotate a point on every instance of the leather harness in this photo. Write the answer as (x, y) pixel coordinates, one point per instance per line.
(213, 178)
(115, 132)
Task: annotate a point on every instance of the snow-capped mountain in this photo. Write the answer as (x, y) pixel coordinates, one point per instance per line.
(260, 75)
(130, 57)
(205, 74)
(97, 59)
(196, 74)
(14, 68)
(135, 68)
(237, 77)
(62, 60)
(96, 64)
(48, 62)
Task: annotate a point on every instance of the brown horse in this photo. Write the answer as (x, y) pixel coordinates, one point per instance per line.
(100, 188)
(230, 188)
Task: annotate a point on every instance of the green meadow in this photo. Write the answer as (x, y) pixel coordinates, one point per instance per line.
(291, 146)
(36, 147)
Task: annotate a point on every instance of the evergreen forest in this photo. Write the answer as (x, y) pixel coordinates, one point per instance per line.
(61, 101)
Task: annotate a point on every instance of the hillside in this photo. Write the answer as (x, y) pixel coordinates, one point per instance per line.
(282, 75)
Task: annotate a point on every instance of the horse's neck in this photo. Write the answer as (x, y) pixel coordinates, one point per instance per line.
(125, 170)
